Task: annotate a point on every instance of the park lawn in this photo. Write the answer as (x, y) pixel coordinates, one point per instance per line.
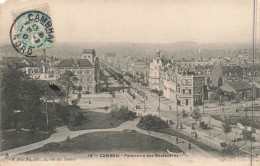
(10, 139)
(111, 141)
(97, 120)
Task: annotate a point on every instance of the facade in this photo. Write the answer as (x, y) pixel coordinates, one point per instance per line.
(187, 88)
(86, 69)
(156, 72)
(170, 84)
(190, 90)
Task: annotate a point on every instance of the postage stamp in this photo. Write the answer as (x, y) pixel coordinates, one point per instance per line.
(32, 30)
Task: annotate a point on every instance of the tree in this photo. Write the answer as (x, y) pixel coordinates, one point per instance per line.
(226, 127)
(79, 88)
(220, 81)
(231, 149)
(11, 84)
(74, 102)
(79, 96)
(208, 81)
(160, 93)
(184, 114)
(245, 121)
(196, 115)
(67, 79)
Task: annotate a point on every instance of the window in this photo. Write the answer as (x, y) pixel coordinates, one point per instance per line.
(187, 101)
(183, 82)
(183, 91)
(186, 82)
(190, 91)
(179, 90)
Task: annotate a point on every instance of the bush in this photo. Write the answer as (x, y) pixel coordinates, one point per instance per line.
(247, 135)
(231, 149)
(74, 102)
(122, 113)
(86, 92)
(78, 118)
(203, 125)
(223, 144)
(150, 122)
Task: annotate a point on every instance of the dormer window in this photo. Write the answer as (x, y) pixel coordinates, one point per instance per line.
(75, 62)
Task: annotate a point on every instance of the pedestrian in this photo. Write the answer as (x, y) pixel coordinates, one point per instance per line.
(189, 145)
(177, 140)
(181, 126)
(196, 135)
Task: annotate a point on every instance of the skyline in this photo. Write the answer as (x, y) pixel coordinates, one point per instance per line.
(143, 22)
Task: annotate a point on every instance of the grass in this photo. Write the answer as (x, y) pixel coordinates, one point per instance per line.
(10, 139)
(97, 120)
(112, 141)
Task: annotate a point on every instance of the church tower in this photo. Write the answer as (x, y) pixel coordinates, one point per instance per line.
(158, 52)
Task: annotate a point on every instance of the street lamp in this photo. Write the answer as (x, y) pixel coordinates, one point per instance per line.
(177, 112)
(203, 105)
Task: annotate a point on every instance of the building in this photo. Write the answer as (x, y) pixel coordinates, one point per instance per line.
(110, 58)
(86, 69)
(185, 87)
(240, 88)
(157, 71)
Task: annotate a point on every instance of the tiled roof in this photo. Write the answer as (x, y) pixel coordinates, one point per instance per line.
(240, 85)
(73, 63)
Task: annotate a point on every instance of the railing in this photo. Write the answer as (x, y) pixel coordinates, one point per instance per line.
(201, 140)
(241, 152)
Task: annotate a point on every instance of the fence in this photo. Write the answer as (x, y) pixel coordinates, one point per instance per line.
(201, 140)
(241, 152)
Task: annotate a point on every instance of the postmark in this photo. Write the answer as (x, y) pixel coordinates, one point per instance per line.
(32, 30)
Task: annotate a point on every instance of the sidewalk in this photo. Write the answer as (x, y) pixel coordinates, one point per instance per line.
(64, 132)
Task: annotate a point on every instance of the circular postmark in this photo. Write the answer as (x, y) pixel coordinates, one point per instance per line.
(32, 30)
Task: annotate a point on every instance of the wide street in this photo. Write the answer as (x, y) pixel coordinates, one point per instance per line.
(166, 108)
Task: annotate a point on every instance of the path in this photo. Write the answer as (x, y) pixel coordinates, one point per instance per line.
(64, 132)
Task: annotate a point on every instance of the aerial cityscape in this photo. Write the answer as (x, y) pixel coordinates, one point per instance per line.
(205, 102)
(135, 89)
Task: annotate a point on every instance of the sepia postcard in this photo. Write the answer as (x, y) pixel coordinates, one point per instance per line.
(130, 82)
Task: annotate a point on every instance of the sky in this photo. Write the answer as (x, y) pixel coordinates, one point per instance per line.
(142, 21)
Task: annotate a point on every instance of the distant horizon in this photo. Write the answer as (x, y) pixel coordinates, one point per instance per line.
(142, 21)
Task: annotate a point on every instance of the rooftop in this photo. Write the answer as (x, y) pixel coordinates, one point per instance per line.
(74, 63)
(88, 51)
(240, 85)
